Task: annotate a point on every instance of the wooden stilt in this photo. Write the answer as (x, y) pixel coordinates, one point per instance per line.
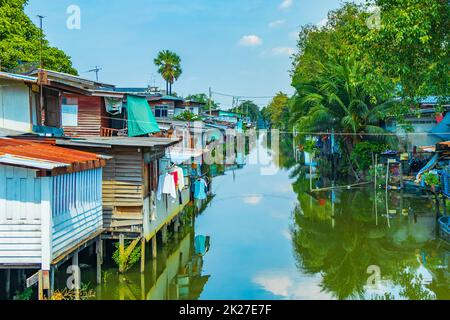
(143, 255)
(121, 252)
(40, 286)
(8, 283)
(75, 270)
(143, 296)
(164, 234)
(444, 204)
(154, 270)
(176, 224)
(99, 254)
(154, 248)
(52, 282)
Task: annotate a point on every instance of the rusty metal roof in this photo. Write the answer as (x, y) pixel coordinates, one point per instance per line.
(45, 155)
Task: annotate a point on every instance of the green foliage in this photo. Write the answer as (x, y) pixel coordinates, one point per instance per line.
(203, 98)
(27, 294)
(412, 45)
(169, 67)
(20, 41)
(277, 110)
(187, 116)
(431, 179)
(363, 152)
(85, 293)
(346, 75)
(125, 262)
(248, 109)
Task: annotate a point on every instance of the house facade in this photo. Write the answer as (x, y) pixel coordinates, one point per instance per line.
(50, 203)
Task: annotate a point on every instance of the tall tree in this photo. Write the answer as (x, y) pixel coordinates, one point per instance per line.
(412, 45)
(249, 109)
(203, 98)
(276, 111)
(20, 42)
(169, 67)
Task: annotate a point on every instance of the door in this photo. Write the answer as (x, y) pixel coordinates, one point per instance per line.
(52, 112)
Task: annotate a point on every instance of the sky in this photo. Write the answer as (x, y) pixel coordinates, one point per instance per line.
(236, 47)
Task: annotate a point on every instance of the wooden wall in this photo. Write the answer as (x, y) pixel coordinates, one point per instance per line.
(123, 190)
(91, 117)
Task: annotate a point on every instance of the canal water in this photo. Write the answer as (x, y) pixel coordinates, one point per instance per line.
(271, 237)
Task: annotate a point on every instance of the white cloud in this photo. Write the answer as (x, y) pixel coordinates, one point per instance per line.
(294, 35)
(283, 51)
(253, 199)
(276, 23)
(250, 41)
(322, 23)
(288, 284)
(286, 4)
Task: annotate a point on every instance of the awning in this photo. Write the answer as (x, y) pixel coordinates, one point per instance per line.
(141, 120)
(180, 155)
(442, 129)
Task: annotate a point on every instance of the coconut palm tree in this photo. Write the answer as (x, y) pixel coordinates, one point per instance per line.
(337, 98)
(169, 67)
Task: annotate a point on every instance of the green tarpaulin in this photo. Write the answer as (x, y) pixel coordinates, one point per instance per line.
(141, 120)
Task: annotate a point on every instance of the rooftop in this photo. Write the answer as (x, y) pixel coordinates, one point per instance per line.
(108, 142)
(45, 155)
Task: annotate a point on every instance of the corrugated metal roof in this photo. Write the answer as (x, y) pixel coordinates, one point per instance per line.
(63, 77)
(42, 155)
(17, 77)
(108, 142)
(30, 163)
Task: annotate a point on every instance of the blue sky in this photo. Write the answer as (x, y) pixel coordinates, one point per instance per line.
(241, 47)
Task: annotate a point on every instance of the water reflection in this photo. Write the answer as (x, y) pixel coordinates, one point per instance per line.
(272, 238)
(175, 275)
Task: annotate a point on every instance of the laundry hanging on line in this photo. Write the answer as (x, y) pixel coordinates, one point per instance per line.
(200, 189)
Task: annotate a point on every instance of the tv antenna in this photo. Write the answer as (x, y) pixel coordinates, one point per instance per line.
(96, 69)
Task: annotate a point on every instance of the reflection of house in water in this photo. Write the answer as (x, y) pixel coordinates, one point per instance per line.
(175, 274)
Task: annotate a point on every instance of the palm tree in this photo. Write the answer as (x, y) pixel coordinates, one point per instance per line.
(169, 67)
(337, 98)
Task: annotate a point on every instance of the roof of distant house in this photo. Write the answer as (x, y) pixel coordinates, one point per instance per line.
(73, 80)
(108, 142)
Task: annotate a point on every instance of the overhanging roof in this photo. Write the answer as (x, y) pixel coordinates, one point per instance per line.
(46, 156)
(17, 77)
(72, 80)
(108, 142)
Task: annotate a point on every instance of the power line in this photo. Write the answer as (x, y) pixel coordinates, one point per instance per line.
(241, 97)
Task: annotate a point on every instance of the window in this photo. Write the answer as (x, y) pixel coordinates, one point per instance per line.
(161, 111)
(69, 112)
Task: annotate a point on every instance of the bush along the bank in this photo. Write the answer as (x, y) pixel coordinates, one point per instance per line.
(362, 154)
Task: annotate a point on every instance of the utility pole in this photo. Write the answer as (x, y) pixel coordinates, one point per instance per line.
(41, 94)
(210, 102)
(41, 27)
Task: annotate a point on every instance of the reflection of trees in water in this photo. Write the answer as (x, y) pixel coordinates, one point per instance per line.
(343, 249)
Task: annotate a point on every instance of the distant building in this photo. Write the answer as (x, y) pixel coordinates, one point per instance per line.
(429, 127)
